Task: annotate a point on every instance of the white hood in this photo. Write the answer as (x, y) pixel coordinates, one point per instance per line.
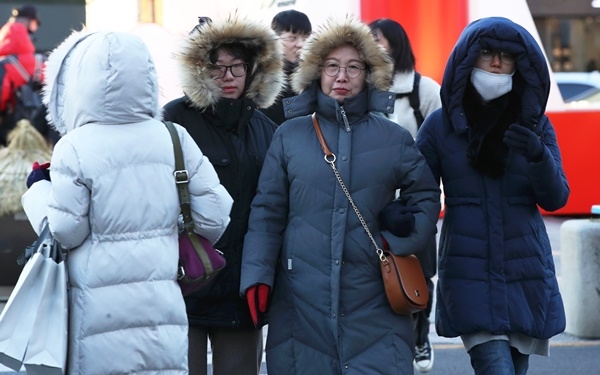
(85, 85)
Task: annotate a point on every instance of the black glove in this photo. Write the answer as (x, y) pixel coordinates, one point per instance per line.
(38, 173)
(398, 218)
(524, 141)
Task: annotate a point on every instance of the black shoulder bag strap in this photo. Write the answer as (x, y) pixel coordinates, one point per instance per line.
(180, 174)
(182, 179)
(17, 64)
(413, 99)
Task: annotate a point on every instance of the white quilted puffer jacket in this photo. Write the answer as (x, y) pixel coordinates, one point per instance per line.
(113, 203)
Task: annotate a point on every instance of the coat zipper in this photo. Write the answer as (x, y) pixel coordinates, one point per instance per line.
(343, 113)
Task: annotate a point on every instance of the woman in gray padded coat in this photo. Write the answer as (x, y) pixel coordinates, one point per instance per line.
(306, 254)
(114, 205)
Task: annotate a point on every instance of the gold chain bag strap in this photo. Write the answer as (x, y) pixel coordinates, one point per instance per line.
(405, 285)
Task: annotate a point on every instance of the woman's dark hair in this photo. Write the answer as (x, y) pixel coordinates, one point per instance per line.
(401, 51)
(237, 50)
(291, 21)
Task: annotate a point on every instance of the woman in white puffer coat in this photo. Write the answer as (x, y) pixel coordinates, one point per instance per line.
(113, 203)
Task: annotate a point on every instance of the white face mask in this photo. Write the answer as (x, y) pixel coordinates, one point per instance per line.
(491, 85)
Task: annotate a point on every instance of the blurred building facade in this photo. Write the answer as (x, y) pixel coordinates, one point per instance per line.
(569, 30)
(570, 33)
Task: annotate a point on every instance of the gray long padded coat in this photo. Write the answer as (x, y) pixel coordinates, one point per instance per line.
(328, 311)
(114, 204)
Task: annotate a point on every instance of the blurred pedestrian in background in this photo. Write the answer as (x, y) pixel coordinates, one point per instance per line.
(496, 153)
(292, 27)
(19, 64)
(26, 15)
(416, 97)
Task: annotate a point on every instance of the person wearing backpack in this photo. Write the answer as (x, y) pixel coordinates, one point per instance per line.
(19, 65)
(416, 97)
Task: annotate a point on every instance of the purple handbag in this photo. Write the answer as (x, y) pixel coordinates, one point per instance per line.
(199, 261)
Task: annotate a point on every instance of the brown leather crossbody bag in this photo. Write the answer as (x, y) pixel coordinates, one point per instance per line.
(403, 279)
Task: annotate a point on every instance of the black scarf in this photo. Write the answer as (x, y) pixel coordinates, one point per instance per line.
(288, 67)
(486, 151)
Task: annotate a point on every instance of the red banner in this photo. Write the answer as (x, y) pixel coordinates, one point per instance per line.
(433, 27)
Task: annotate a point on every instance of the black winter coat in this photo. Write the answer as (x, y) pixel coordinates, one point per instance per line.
(235, 138)
(276, 112)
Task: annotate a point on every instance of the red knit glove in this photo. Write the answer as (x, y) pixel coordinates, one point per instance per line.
(257, 296)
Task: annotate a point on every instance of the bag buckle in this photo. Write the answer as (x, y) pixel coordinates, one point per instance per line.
(181, 177)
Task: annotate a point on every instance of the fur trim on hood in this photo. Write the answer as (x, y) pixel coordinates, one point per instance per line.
(335, 33)
(194, 60)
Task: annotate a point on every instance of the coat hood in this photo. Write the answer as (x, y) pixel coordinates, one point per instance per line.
(531, 68)
(100, 77)
(194, 60)
(336, 33)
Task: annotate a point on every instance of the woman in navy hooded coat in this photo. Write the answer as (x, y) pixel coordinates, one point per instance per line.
(497, 156)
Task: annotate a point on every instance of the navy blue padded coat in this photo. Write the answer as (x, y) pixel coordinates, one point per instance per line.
(496, 271)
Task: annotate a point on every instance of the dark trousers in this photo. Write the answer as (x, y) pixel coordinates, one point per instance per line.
(428, 260)
(233, 351)
(6, 125)
(421, 318)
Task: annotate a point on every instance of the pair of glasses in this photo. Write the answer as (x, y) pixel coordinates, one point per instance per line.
(333, 69)
(237, 70)
(294, 38)
(488, 54)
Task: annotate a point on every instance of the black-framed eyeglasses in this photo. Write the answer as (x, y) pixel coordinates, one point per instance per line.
(237, 70)
(333, 69)
(488, 54)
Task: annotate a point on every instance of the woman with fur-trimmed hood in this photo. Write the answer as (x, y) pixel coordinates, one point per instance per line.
(229, 68)
(113, 204)
(308, 262)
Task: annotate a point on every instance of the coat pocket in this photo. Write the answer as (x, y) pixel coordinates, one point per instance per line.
(460, 201)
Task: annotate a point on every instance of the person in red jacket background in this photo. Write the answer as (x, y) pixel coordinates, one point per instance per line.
(19, 62)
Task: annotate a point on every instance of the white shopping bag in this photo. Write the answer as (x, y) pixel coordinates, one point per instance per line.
(47, 349)
(19, 314)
